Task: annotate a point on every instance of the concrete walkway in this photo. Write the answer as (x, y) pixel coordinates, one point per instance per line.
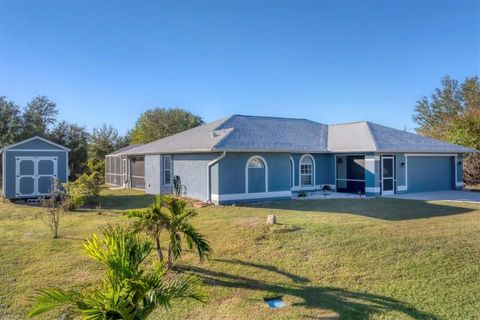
(458, 196)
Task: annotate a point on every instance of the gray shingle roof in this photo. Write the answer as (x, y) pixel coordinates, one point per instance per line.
(124, 150)
(249, 133)
(253, 133)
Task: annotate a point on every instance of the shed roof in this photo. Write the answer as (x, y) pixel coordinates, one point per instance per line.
(18, 144)
(273, 134)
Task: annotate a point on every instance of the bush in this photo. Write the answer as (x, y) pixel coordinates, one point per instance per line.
(472, 170)
(83, 190)
(54, 206)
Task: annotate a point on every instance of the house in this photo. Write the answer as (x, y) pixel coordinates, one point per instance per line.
(29, 168)
(248, 158)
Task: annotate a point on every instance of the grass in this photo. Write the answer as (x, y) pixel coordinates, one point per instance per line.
(329, 259)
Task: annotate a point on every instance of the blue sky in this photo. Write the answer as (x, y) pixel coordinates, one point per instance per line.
(329, 61)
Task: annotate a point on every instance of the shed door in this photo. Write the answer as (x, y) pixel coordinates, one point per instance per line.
(430, 173)
(35, 175)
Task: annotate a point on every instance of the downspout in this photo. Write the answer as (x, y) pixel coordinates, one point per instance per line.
(209, 172)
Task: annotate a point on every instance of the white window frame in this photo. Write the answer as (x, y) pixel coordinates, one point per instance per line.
(246, 172)
(169, 170)
(292, 172)
(313, 174)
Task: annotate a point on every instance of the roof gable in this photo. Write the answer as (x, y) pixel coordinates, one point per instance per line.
(36, 143)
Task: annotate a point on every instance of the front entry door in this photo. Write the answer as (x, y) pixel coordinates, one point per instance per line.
(388, 175)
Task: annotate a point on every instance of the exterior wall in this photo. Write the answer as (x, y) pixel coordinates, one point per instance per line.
(232, 178)
(400, 173)
(324, 170)
(10, 178)
(152, 174)
(192, 170)
(372, 174)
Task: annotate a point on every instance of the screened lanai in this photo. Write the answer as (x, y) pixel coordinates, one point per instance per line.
(125, 170)
(350, 173)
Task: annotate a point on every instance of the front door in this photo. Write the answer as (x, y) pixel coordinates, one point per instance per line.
(388, 175)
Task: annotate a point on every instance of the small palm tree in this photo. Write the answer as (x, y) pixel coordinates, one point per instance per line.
(172, 215)
(151, 221)
(179, 214)
(128, 291)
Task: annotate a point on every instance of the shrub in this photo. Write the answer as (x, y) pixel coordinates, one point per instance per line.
(83, 190)
(54, 206)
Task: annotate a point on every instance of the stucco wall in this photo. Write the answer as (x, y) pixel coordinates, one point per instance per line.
(192, 170)
(152, 174)
(231, 172)
(324, 168)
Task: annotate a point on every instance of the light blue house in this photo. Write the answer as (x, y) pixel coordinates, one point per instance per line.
(250, 158)
(31, 166)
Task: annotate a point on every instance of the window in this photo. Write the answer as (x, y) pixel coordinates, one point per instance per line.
(256, 175)
(167, 170)
(256, 163)
(306, 171)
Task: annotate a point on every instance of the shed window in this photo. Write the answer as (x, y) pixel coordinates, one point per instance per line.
(167, 170)
(306, 171)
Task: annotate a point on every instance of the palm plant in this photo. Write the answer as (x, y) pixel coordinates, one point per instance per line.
(151, 221)
(172, 215)
(179, 214)
(128, 291)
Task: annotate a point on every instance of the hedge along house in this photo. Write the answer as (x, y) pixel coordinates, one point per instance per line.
(125, 170)
(30, 168)
(249, 158)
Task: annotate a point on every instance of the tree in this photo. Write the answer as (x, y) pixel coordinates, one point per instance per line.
(453, 114)
(128, 290)
(159, 123)
(75, 138)
(103, 140)
(39, 115)
(54, 207)
(172, 215)
(10, 122)
(152, 222)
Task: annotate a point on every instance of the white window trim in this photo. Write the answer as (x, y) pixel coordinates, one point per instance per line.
(300, 171)
(246, 173)
(292, 163)
(170, 170)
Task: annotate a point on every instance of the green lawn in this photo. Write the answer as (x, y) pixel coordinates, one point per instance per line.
(348, 259)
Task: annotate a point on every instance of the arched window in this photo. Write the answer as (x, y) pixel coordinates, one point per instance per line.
(307, 171)
(256, 175)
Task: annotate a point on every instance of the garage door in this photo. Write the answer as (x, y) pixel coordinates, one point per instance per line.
(430, 173)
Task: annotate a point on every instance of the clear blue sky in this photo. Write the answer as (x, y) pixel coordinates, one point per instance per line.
(329, 61)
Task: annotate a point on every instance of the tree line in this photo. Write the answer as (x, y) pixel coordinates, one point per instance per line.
(452, 114)
(88, 149)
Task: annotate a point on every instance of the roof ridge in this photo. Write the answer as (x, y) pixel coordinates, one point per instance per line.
(346, 123)
(375, 145)
(271, 117)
